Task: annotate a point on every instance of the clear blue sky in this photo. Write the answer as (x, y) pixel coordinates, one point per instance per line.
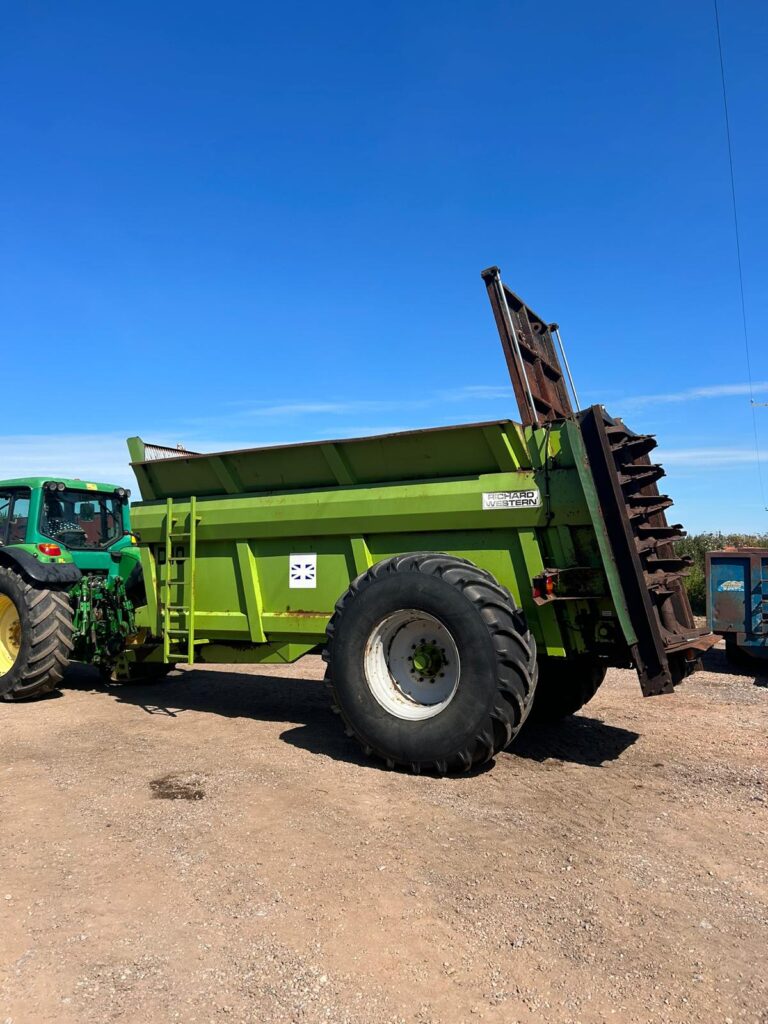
(239, 223)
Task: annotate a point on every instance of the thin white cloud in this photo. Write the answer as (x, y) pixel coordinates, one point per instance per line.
(474, 391)
(693, 394)
(99, 457)
(714, 457)
(288, 409)
(470, 393)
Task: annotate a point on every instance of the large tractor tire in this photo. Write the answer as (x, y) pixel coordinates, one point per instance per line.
(430, 663)
(35, 637)
(565, 685)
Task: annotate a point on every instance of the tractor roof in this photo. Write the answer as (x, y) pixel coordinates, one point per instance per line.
(35, 482)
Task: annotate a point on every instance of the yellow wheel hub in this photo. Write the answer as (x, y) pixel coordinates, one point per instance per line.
(10, 634)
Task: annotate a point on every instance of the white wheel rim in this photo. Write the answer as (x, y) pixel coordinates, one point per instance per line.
(412, 665)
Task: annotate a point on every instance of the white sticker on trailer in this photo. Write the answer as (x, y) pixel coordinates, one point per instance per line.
(511, 499)
(302, 572)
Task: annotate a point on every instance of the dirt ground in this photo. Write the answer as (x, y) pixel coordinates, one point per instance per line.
(613, 868)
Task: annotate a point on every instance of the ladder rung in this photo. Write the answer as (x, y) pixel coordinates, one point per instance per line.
(179, 641)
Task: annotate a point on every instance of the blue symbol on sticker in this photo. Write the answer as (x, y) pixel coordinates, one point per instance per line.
(732, 586)
(303, 571)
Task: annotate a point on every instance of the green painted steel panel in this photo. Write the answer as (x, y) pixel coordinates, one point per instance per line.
(349, 504)
(413, 455)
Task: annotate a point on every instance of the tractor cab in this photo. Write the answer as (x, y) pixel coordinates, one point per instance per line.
(66, 521)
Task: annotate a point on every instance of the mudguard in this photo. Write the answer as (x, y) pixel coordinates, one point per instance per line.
(53, 575)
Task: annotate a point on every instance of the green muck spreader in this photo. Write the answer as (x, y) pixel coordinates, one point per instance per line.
(456, 580)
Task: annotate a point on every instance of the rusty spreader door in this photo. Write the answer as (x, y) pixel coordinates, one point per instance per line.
(532, 359)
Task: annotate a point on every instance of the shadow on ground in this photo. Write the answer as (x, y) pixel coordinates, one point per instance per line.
(304, 702)
(577, 739)
(751, 668)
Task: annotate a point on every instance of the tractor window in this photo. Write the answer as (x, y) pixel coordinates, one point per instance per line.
(14, 516)
(82, 519)
(5, 508)
(18, 519)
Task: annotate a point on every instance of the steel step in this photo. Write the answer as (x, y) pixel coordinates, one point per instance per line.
(633, 447)
(632, 477)
(645, 505)
(660, 533)
(670, 565)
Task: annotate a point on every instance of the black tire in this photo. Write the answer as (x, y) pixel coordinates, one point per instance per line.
(43, 634)
(135, 589)
(495, 672)
(734, 655)
(565, 685)
(739, 657)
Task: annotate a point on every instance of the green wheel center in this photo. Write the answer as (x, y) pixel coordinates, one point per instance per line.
(428, 659)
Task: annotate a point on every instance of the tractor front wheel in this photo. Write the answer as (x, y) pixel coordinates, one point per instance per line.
(35, 637)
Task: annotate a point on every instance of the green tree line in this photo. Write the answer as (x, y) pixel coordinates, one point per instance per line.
(697, 544)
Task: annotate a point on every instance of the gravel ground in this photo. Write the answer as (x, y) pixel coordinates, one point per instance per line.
(213, 849)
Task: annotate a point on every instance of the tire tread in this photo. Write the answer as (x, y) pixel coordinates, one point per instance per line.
(512, 641)
(50, 640)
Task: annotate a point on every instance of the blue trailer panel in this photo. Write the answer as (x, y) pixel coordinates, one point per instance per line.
(737, 598)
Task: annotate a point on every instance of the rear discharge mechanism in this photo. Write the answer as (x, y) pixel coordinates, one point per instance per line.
(634, 512)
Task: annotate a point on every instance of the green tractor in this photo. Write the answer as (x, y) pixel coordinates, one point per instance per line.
(69, 581)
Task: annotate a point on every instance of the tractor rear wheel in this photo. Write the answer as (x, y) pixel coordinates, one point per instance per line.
(35, 637)
(565, 685)
(430, 663)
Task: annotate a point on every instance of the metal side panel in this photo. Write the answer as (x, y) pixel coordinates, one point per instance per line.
(737, 593)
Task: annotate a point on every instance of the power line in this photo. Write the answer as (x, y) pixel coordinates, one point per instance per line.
(737, 234)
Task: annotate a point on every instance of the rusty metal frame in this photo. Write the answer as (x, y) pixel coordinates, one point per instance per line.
(532, 360)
